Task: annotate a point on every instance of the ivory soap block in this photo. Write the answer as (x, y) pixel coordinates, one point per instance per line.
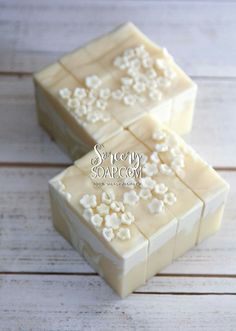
(93, 93)
(137, 202)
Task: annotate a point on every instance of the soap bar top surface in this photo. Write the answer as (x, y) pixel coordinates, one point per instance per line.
(119, 76)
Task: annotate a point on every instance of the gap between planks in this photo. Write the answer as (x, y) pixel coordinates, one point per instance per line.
(64, 165)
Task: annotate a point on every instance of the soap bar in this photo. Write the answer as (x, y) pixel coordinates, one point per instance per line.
(136, 202)
(93, 93)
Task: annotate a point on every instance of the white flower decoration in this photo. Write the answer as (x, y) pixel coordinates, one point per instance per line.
(155, 95)
(93, 81)
(101, 104)
(169, 73)
(120, 63)
(156, 206)
(150, 169)
(73, 103)
(169, 198)
(117, 206)
(96, 220)
(127, 218)
(65, 93)
(159, 135)
(112, 221)
(127, 81)
(147, 62)
(129, 53)
(161, 147)
(108, 197)
(103, 209)
(87, 214)
(93, 117)
(123, 233)
(105, 93)
(108, 234)
(161, 188)
(129, 182)
(165, 170)
(139, 87)
(151, 73)
(144, 158)
(155, 158)
(147, 182)
(129, 100)
(80, 93)
(88, 201)
(130, 198)
(117, 94)
(145, 194)
(177, 162)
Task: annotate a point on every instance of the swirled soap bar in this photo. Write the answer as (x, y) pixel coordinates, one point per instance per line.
(90, 95)
(136, 202)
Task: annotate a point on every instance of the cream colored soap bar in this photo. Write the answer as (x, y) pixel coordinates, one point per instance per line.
(92, 94)
(136, 202)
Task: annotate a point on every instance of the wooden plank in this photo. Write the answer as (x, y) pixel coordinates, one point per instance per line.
(30, 244)
(22, 140)
(189, 30)
(84, 303)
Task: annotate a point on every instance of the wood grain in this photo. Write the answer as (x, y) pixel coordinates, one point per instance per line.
(85, 303)
(22, 140)
(199, 34)
(30, 244)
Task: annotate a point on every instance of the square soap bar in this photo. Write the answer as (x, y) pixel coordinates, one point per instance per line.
(136, 202)
(93, 93)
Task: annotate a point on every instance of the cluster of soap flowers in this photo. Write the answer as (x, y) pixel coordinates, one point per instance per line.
(108, 214)
(144, 78)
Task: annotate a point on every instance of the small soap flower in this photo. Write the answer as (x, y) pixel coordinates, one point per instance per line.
(163, 82)
(87, 214)
(145, 194)
(130, 198)
(169, 73)
(112, 221)
(108, 197)
(139, 50)
(144, 158)
(93, 81)
(129, 100)
(165, 170)
(80, 93)
(147, 62)
(150, 169)
(127, 81)
(88, 201)
(103, 209)
(139, 87)
(117, 206)
(123, 233)
(135, 64)
(161, 147)
(127, 218)
(156, 206)
(151, 73)
(117, 94)
(97, 220)
(155, 95)
(129, 182)
(105, 93)
(120, 63)
(108, 234)
(169, 198)
(93, 117)
(155, 158)
(161, 188)
(177, 162)
(73, 103)
(159, 135)
(101, 104)
(65, 93)
(147, 182)
(129, 53)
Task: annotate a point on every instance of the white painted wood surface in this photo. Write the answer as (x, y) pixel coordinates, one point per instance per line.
(44, 283)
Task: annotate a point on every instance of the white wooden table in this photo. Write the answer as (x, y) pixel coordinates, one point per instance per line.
(44, 283)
